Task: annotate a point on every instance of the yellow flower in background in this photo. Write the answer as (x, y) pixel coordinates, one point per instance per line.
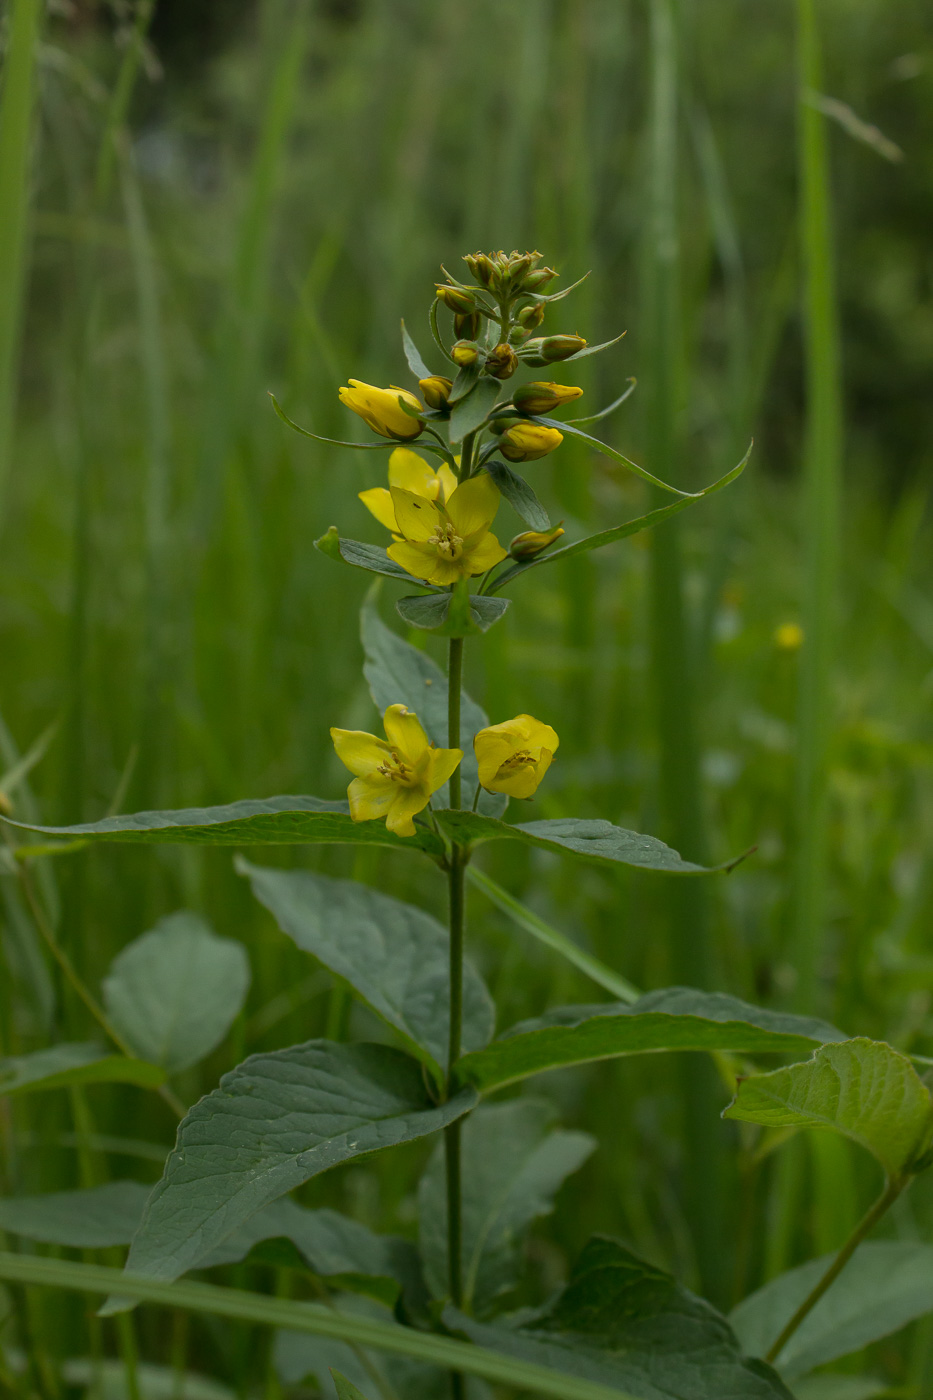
(514, 756)
(380, 408)
(444, 543)
(789, 636)
(412, 473)
(525, 442)
(394, 777)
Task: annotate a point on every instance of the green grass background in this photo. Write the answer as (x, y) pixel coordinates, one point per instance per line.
(247, 200)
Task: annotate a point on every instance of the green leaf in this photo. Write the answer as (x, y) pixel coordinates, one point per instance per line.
(273, 821)
(672, 1018)
(594, 840)
(616, 456)
(624, 1323)
(273, 1123)
(519, 495)
(861, 1088)
(105, 1378)
(63, 1065)
(394, 956)
(436, 613)
(610, 408)
(331, 442)
(590, 349)
(400, 674)
(346, 1390)
(415, 363)
(308, 1318)
(841, 1388)
(473, 409)
(174, 992)
(512, 1166)
(885, 1285)
(371, 557)
(464, 380)
(93, 1219)
(621, 532)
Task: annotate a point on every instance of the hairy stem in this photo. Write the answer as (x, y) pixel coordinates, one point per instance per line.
(869, 1220)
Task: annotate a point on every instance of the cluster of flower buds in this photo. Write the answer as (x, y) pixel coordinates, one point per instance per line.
(509, 275)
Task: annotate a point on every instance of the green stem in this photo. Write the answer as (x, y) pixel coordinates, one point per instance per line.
(456, 891)
(889, 1195)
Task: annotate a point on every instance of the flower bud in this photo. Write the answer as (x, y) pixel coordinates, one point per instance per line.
(541, 397)
(380, 408)
(435, 391)
(455, 299)
(537, 280)
(531, 543)
(545, 349)
(525, 442)
(481, 266)
(502, 361)
(466, 327)
(465, 352)
(531, 316)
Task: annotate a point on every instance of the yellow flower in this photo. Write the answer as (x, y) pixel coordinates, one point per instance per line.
(789, 636)
(394, 777)
(525, 442)
(514, 756)
(411, 473)
(442, 544)
(530, 543)
(380, 408)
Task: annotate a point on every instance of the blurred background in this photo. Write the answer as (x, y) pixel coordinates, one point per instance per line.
(219, 198)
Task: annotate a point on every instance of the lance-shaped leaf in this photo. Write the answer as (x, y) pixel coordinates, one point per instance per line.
(74, 1063)
(673, 1018)
(474, 408)
(610, 408)
(861, 1088)
(519, 495)
(620, 532)
(452, 614)
(331, 442)
(624, 1323)
(512, 1166)
(346, 1390)
(885, 1285)
(273, 1123)
(597, 841)
(399, 674)
(174, 992)
(371, 557)
(415, 363)
(394, 956)
(274, 821)
(93, 1219)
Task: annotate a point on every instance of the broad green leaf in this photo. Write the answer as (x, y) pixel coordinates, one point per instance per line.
(398, 673)
(464, 380)
(274, 821)
(105, 1379)
(620, 532)
(92, 1219)
(474, 408)
(841, 1388)
(861, 1088)
(672, 1018)
(519, 495)
(394, 956)
(594, 840)
(415, 363)
(624, 1323)
(513, 1165)
(435, 613)
(371, 557)
(73, 1063)
(308, 1318)
(273, 1123)
(174, 992)
(885, 1285)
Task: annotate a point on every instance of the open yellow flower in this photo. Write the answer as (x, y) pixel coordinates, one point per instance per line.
(514, 756)
(380, 408)
(394, 777)
(411, 473)
(442, 544)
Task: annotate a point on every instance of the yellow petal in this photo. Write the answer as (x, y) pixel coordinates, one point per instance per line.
(420, 560)
(370, 799)
(441, 763)
(486, 553)
(449, 571)
(447, 482)
(417, 518)
(407, 803)
(473, 505)
(492, 749)
(412, 473)
(379, 503)
(362, 753)
(405, 733)
(521, 782)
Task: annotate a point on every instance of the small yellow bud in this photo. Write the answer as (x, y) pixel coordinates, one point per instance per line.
(541, 397)
(481, 266)
(467, 327)
(525, 442)
(436, 390)
(536, 281)
(548, 348)
(530, 317)
(531, 543)
(789, 636)
(455, 299)
(502, 361)
(380, 408)
(465, 352)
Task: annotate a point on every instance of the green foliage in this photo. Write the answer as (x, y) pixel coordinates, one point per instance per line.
(64, 1065)
(448, 616)
(92, 1219)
